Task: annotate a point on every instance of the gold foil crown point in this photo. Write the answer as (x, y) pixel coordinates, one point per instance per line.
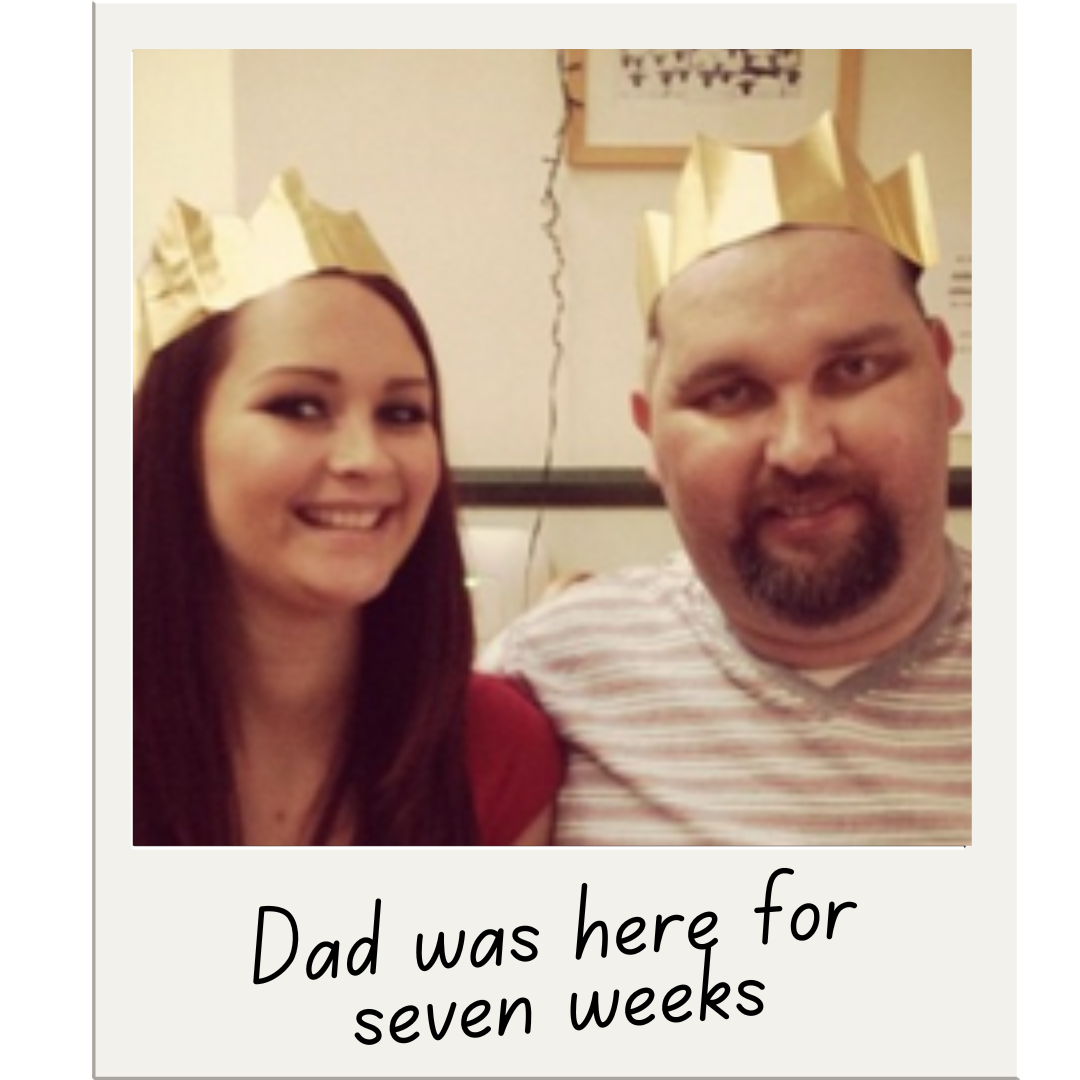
(201, 265)
(726, 194)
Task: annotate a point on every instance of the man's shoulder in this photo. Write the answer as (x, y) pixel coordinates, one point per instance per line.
(598, 613)
(962, 557)
(596, 597)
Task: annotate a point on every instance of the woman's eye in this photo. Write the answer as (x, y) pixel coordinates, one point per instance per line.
(404, 414)
(297, 407)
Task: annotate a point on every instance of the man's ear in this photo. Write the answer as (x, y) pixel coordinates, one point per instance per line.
(641, 409)
(642, 412)
(942, 339)
(943, 346)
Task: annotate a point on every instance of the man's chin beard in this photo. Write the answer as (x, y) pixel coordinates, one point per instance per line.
(830, 591)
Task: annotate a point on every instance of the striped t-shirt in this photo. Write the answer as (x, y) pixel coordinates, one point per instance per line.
(678, 735)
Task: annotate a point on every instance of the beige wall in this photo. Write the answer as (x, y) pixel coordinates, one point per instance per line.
(183, 136)
(445, 152)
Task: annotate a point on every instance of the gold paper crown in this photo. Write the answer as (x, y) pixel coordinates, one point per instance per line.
(201, 265)
(726, 194)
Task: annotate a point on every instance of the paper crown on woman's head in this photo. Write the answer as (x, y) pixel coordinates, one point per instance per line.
(727, 193)
(201, 265)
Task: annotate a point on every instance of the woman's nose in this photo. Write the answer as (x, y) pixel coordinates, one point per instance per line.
(802, 437)
(357, 449)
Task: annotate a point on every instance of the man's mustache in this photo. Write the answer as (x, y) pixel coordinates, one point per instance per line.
(783, 492)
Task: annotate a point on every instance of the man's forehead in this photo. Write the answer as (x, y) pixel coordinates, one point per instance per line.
(790, 254)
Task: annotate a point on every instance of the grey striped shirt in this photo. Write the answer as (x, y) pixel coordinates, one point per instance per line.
(678, 735)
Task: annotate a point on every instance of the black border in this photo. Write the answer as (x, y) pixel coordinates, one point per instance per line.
(599, 489)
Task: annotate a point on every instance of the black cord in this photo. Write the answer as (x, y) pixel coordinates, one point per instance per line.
(550, 201)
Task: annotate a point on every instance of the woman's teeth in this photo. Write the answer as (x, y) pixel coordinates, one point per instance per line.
(349, 520)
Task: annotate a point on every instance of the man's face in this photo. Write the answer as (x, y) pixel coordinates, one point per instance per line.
(799, 413)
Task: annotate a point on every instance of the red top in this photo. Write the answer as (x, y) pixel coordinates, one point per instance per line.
(515, 759)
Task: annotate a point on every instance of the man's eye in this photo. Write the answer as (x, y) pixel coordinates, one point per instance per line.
(297, 407)
(852, 372)
(733, 397)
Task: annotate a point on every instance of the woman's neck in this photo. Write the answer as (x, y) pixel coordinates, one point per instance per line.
(294, 676)
(294, 680)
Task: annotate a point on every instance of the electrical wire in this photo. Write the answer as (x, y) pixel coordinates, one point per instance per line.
(550, 227)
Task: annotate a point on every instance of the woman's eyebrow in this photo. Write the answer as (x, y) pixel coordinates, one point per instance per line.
(327, 375)
(331, 377)
(409, 382)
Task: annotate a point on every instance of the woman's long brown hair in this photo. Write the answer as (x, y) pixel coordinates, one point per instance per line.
(401, 771)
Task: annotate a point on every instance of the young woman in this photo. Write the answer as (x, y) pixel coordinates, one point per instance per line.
(303, 639)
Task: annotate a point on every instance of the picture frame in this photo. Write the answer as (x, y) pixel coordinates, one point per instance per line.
(642, 108)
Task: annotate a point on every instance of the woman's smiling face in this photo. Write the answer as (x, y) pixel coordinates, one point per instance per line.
(319, 452)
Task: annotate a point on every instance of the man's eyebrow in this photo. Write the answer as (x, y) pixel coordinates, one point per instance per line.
(711, 371)
(865, 336)
(721, 368)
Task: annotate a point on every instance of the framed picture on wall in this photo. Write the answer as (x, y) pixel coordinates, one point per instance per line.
(642, 107)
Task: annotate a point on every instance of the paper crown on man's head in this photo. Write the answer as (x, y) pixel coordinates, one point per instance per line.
(202, 265)
(726, 194)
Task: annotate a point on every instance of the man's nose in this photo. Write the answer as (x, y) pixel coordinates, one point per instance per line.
(357, 449)
(801, 437)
